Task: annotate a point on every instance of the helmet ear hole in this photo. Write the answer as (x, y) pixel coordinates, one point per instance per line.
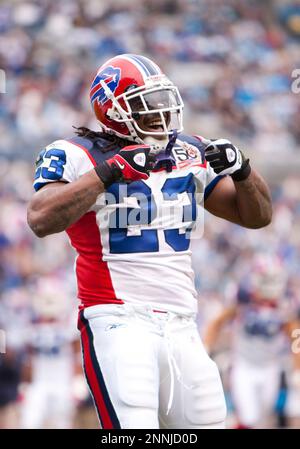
(112, 114)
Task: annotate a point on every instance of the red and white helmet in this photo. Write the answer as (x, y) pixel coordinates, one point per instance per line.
(128, 86)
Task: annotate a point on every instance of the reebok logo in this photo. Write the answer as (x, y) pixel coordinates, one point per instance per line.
(114, 326)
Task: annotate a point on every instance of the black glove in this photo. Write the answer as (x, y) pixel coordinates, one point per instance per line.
(226, 159)
(132, 163)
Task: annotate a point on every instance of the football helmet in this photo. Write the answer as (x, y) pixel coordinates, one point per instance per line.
(267, 277)
(130, 91)
(46, 304)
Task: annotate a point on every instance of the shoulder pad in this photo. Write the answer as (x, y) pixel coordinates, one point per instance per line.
(98, 148)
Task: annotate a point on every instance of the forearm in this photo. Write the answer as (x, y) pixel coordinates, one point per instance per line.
(253, 201)
(55, 207)
(211, 335)
(215, 327)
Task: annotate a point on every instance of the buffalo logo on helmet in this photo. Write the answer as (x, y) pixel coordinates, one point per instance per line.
(111, 76)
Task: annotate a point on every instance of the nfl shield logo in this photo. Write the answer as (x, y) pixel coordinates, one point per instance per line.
(140, 159)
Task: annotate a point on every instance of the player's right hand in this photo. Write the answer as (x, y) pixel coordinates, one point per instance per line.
(132, 163)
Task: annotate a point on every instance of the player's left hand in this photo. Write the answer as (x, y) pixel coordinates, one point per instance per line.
(227, 159)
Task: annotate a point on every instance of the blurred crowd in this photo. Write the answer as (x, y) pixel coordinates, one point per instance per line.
(233, 62)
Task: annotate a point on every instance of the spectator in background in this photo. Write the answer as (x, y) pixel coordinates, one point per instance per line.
(237, 58)
(11, 368)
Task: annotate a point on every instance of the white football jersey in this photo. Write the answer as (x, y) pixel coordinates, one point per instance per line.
(133, 245)
(52, 352)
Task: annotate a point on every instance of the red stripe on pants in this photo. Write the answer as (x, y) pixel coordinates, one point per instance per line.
(92, 380)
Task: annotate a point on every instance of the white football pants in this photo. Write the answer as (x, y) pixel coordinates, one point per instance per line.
(148, 369)
(254, 391)
(47, 404)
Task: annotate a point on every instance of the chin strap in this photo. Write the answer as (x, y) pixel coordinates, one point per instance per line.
(165, 159)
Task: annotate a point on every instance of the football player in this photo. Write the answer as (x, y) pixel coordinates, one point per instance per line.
(51, 342)
(129, 197)
(262, 321)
